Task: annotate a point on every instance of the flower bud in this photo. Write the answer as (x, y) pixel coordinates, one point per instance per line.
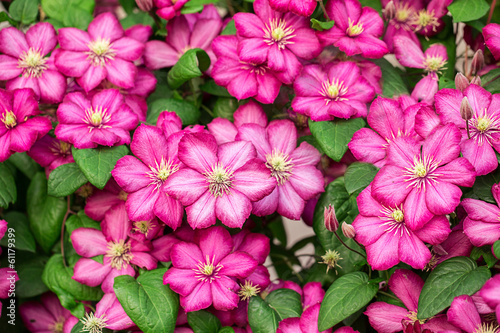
(331, 222)
(145, 5)
(476, 80)
(461, 82)
(477, 62)
(465, 109)
(348, 230)
(389, 10)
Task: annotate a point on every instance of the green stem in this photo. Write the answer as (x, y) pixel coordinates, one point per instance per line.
(388, 295)
(349, 248)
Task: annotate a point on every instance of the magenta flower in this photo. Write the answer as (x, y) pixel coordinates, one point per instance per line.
(182, 37)
(105, 120)
(47, 316)
(102, 53)
(388, 238)
(276, 38)
(482, 222)
(356, 31)
(400, 20)
(20, 127)
(299, 7)
(100, 201)
(389, 318)
(225, 131)
(457, 244)
(338, 91)
(491, 34)
(428, 21)
(51, 153)
(168, 9)
(108, 314)
(426, 88)
(484, 127)
(218, 181)
(145, 177)
(243, 79)
(113, 242)
(489, 293)
(297, 178)
(388, 121)
(424, 177)
(464, 315)
(202, 274)
(24, 63)
(409, 54)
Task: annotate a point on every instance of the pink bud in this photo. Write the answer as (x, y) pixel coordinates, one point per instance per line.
(348, 230)
(476, 80)
(331, 222)
(466, 109)
(145, 5)
(461, 82)
(477, 62)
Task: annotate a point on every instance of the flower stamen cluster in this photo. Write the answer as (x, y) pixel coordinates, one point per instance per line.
(421, 171)
(248, 290)
(101, 51)
(277, 32)
(354, 29)
(120, 254)
(97, 117)
(9, 119)
(280, 165)
(32, 62)
(219, 180)
(160, 173)
(207, 271)
(93, 324)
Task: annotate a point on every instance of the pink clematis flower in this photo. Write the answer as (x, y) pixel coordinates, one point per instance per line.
(426, 89)
(24, 62)
(203, 273)
(489, 293)
(105, 120)
(102, 53)
(424, 177)
(484, 126)
(47, 316)
(276, 38)
(389, 318)
(428, 21)
(145, 177)
(464, 315)
(356, 30)
(182, 37)
(108, 314)
(409, 54)
(218, 181)
(297, 178)
(338, 91)
(388, 238)
(51, 153)
(491, 34)
(388, 121)
(100, 201)
(299, 7)
(20, 127)
(400, 18)
(457, 244)
(113, 242)
(168, 9)
(482, 222)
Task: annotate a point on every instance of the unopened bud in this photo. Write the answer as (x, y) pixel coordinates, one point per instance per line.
(477, 62)
(389, 11)
(476, 80)
(145, 5)
(348, 230)
(465, 109)
(461, 82)
(331, 222)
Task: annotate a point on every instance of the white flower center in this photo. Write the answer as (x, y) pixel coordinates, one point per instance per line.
(32, 63)
(354, 29)
(280, 165)
(100, 52)
(277, 32)
(93, 324)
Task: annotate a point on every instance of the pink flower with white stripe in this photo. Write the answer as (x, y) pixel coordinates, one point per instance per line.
(105, 120)
(168, 9)
(491, 34)
(203, 273)
(108, 314)
(102, 53)
(50, 153)
(464, 314)
(218, 181)
(409, 54)
(25, 62)
(120, 253)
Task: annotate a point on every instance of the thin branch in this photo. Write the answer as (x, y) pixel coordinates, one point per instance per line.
(492, 9)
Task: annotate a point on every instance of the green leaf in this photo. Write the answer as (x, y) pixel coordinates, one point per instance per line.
(65, 180)
(30, 269)
(24, 11)
(150, 304)
(58, 279)
(188, 113)
(5, 17)
(210, 87)
(453, 277)
(358, 176)
(495, 248)
(137, 18)
(285, 302)
(225, 107)
(128, 6)
(8, 189)
(230, 29)
(45, 213)
(192, 64)
(468, 10)
(25, 164)
(80, 220)
(346, 296)
(482, 187)
(375, 4)
(77, 17)
(203, 322)
(24, 239)
(97, 163)
(226, 329)
(333, 136)
(57, 8)
(485, 253)
(320, 25)
(393, 84)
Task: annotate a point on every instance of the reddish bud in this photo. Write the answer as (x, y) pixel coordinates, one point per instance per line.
(476, 80)
(461, 82)
(477, 62)
(348, 230)
(465, 109)
(389, 10)
(331, 222)
(145, 5)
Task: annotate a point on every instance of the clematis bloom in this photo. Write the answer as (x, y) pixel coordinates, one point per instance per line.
(299, 7)
(51, 153)
(464, 314)
(168, 9)
(491, 34)
(409, 54)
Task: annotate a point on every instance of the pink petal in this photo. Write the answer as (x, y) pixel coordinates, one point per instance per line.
(463, 314)
(186, 185)
(448, 106)
(480, 210)
(200, 298)
(223, 130)
(92, 77)
(8, 68)
(415, 209)
(140, 204)
(128, 49)
(182, 281)
(266, 205)
(368, 229)
(282, 136)
(413, 251)
(143, 260)
(89, 242)
(13, 42)
(384, 253)
(290, 204)
(74, 64)
(198, 151)
(186, 255)
(389, 186)
(250, 112)
(289, 325)
(107, 284)
(121, 73)
(253, 50)
(402, 151)
(131, 174)
(435, 231)
(90, 272)
(224, 293)
(248, 25)
(491, 39)
(234, 155)
(482, 157)
(158, 54)
(201, 214)
(52, 86)
(150, 145)
(73, 39)
(105, 26)
(386, 117)
(233, 209)
(408, 52)
(443, 144)
(459, 172)
(116, 225)
(385, 317)
(304, 155)
(442, 198)
(238, 264)
(169, 210)
(367, 146)
(42, 37)
(253, 180)
(307, 181)
(36, 317)
(481, 233)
